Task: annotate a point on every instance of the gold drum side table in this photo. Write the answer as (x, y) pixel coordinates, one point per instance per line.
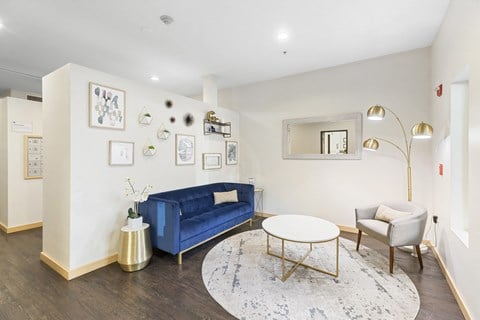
(135, 249)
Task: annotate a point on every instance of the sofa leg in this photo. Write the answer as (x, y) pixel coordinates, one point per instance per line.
(251, 222)
(419, 255)
(359, 237)
(179, 258)
(392, 253)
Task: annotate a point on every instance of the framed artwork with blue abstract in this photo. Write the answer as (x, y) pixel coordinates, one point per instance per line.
(106, 107)
(231, 152)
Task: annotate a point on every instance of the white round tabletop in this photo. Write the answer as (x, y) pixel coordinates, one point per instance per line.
(300, 228)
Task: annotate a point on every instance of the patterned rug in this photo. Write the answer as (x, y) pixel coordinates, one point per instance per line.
(245, 281)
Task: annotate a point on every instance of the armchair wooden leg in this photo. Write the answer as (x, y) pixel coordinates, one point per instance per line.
(359, 237)
(392, 253)
(419, 255)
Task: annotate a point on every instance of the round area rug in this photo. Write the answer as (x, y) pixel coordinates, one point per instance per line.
(245, 281)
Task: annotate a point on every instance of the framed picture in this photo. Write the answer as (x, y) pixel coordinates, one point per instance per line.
(231, 152)
(33, 157)
(212, 161)
(184, 149)
(121, 153)
(106, 107)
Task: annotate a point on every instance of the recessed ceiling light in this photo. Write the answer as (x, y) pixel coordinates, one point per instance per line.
(282, 36)
(154, 78)
(1, 25)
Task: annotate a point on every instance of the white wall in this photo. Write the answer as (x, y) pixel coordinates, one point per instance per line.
(455, 48)
(21, 199)
(331, 189)
(3, 163)
(93, 206)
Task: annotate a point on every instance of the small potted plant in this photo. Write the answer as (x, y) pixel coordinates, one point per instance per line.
(144, 117)
(134, 218)
(163, 133)
(149, 150)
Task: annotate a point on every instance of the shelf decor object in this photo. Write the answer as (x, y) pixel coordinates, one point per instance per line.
(231, 152)
(213, 125)
(145, 117)
(33, 157)
(120, 153)
(163, 133)
(419, 131)
(184, 150)
(212, 161)
(106, 107)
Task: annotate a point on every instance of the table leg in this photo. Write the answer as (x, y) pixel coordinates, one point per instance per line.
(283, 259)
(268, 244)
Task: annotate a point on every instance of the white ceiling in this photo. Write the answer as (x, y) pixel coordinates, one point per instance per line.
(235, 40)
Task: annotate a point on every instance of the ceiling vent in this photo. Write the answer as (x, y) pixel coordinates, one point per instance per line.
(166, 19)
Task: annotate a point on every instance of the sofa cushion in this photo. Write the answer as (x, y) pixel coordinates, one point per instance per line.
(227, 196)
(388, 214)
(219, 214)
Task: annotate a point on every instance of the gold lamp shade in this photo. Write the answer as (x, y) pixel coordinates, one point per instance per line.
(370, 144)
(376, 113)
(422, 131)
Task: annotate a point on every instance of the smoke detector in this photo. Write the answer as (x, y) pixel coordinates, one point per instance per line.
(166, 19)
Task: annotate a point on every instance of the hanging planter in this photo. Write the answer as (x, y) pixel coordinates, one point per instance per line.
(163, 133)
(145, 117)
(149, 150)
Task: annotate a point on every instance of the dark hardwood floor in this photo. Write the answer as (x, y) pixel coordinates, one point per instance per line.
(31, 290)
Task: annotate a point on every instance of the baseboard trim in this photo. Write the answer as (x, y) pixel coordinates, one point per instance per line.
(264, 214)
(22, 227)
(54, 265)
(92, 266)
(347, 229)
(450, 281)
(72, 274)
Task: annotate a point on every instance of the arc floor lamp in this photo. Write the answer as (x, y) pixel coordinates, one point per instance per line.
(421, 130)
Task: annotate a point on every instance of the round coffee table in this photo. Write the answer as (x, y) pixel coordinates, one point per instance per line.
(302, 229)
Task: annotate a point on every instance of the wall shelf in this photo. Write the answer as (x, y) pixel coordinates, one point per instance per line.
(213, 127)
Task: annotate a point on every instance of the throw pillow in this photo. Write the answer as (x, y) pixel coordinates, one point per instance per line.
(228, 196)
(388, 214)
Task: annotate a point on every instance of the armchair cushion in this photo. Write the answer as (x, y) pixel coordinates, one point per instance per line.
(403, 231)
(375, 228)
(388, 214)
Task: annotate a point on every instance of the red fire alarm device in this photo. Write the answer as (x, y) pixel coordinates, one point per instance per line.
(439, 90)
(440, 169)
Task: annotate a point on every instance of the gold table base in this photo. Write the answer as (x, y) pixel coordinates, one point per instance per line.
(135, 249)
(286, 275)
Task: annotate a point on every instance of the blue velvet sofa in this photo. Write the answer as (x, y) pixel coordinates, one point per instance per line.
(183, 219)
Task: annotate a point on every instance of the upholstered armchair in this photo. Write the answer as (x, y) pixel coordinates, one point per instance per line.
(403, 231)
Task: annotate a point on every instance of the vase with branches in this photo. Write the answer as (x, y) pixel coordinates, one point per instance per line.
(138, 196)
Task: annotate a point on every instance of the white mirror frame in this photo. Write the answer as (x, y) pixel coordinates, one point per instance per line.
(317, 156)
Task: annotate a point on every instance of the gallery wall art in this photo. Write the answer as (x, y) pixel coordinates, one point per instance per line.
(33, 157)
(184, 149)
(231, 152)
(121, 153)
(106, 107)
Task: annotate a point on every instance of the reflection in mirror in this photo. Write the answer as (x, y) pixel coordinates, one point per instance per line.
(334, 142)
(333, 137)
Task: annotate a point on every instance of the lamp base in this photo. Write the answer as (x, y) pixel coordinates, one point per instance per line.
(411, 249)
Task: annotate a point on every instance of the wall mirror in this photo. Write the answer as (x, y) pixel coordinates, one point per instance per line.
(329, 137)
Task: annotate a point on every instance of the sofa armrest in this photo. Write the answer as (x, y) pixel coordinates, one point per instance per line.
(163, 215)
(365, 212)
